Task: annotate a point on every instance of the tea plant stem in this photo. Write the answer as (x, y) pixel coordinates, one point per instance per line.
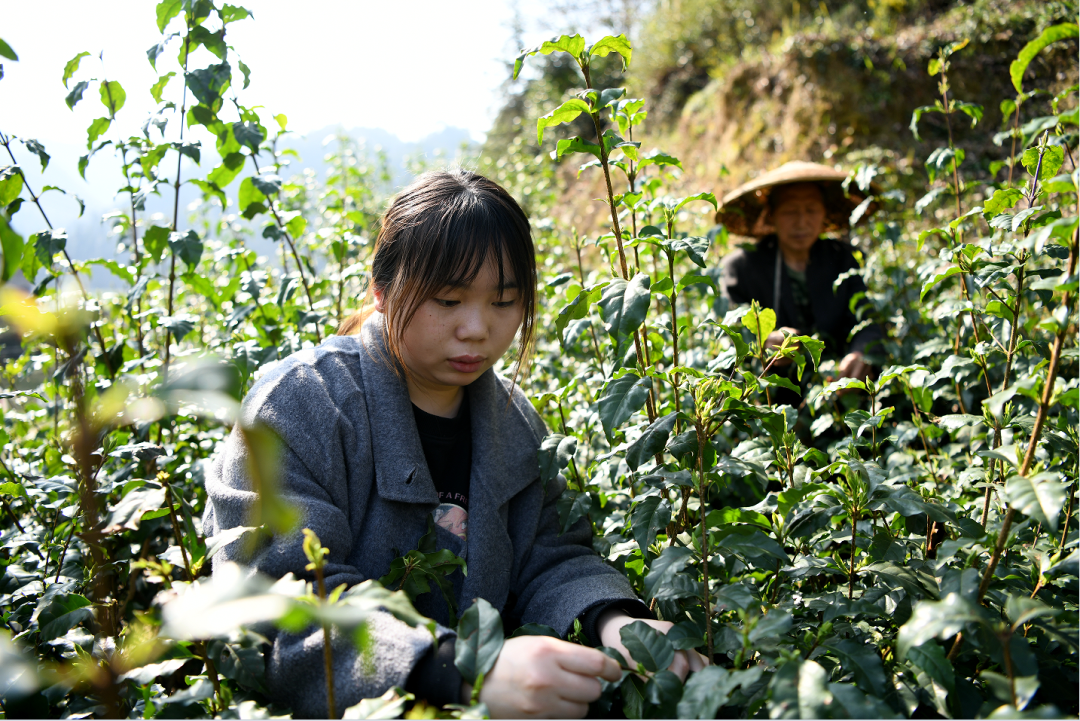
(650, 405)
(566, 432)
(6, 142)
(131, 196)
(292, 247)
(63, 551)
(851, 571)
(948, 126)
(674, 330)
(176, 210)
(1068, 512)
(607, 180)
(699, 427)
(1040, 420)
(15, 519)
(255, 298)
(1006, 652)
(134, 247)
(163, 478)
(83, 446)
(592, 331)
(328, 651)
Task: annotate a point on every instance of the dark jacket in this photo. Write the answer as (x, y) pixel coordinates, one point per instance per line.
(751, 275)
(353, 465)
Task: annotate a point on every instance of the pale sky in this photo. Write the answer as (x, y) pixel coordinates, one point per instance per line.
(411, 67)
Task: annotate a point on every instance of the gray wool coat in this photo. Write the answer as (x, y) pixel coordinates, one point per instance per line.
(353, 465)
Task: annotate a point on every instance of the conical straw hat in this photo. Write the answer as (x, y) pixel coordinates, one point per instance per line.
(742, 211)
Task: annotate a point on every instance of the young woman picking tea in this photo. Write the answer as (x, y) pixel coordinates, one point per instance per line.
(400, 419)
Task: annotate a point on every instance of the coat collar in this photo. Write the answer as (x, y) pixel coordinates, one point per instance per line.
(504, 442)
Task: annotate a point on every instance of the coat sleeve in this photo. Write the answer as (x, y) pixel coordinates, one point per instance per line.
(313, 438)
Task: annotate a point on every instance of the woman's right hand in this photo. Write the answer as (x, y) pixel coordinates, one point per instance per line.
(776, 339)
(543, 677)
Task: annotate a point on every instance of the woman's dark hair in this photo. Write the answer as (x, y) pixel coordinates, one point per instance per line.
(439, 232)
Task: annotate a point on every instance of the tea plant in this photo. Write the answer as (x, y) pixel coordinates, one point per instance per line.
(899, 546)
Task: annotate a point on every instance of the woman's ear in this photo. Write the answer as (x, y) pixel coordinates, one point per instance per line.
(380, 305)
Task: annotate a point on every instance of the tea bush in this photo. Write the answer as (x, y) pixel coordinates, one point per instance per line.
(900, 546)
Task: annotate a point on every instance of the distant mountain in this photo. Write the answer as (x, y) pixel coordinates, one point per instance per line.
(313, 147)
(89, 235)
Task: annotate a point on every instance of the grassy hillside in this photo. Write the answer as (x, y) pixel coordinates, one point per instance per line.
(736, 87)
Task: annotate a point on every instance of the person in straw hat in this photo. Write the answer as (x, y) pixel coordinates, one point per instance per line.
(792, 268)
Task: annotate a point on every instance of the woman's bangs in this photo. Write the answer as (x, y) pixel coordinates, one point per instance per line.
(470, 239)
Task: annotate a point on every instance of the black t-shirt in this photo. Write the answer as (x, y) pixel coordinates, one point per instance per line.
(447, 444)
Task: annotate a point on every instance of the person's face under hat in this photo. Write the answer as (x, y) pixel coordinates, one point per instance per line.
(798, 215)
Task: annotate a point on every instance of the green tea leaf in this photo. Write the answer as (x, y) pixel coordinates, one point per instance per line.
(662, 692)
(248, 194)
(48, 243)
(930, 657)
(96, 129)
(480, 639)
(761, 323)
(576, 144)
(72, 66)
(12, 245)
(613, 44)
(112, 96)
(1048, 36)
(573, 44)
(166, 10)
(649, 516)
(565, 113)
(651, 441)
(76, 94)
(7, 52)
(622, 398)
(798, 690)
(155, 239)
(1041, 497)
(1052, 158)
(647, 646)
(187, 246)
(250, 135)
(694, 247)
(937, 278)
(664, 580)
(63, 613)
(937, 619)
(576, 309)
(861, 660)
(159, 87)
(555, 454)
(130, 509)
(11, 184)
(623, 307)
(572, 506)
(209, 83)
(711, 687)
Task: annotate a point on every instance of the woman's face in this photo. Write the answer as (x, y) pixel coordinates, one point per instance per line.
(459, 333)
(798, 215)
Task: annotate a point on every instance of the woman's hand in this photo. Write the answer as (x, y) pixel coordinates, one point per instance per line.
(543, 677)
(776, 339)
(608, 627)
(854, 366)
